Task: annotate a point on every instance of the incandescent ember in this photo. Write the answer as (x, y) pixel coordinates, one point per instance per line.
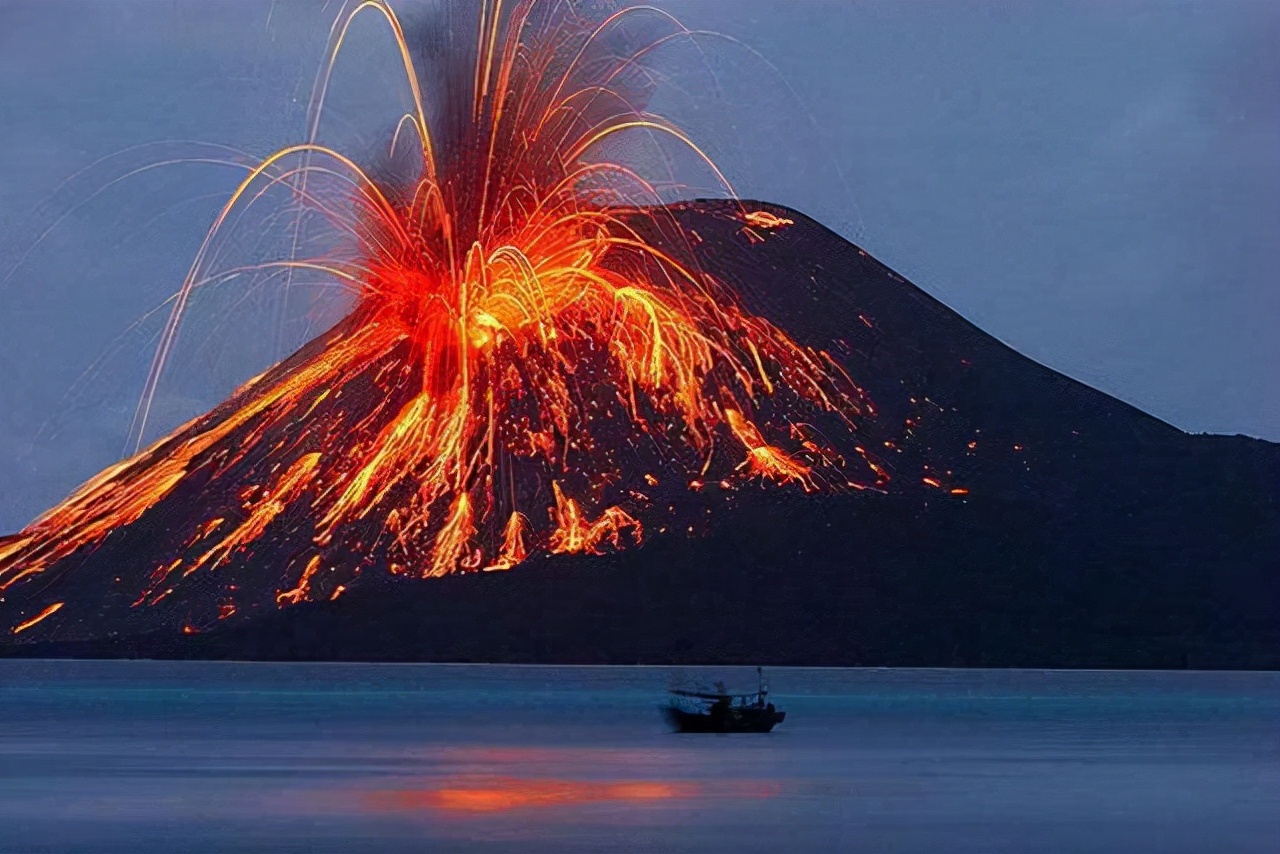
(521, 367)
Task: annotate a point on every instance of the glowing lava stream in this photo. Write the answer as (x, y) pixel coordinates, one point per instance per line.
(519, 360)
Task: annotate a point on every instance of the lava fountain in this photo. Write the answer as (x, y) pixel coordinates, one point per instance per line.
(523, 369)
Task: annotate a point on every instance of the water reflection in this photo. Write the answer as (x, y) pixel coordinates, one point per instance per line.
(503, 794)
(484, 779)
(131, 758)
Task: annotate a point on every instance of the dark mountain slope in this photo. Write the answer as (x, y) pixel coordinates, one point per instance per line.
(1081, 532)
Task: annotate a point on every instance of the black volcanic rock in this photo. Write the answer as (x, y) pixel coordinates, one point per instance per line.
(1082, 533)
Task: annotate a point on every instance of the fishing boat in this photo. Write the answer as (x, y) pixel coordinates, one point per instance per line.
(720, 711)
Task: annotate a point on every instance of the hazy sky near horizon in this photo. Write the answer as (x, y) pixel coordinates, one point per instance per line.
(1097, 185)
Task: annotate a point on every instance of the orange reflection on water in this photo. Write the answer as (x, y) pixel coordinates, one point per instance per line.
(502, 794)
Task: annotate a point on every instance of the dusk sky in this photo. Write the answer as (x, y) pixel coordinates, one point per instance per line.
(1097, 185)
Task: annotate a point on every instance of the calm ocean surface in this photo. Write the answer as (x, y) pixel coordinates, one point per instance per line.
(174, 757)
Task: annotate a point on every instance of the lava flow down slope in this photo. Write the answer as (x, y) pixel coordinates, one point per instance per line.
(568, 420)
(523, 369)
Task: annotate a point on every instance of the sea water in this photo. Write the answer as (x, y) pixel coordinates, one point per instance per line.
(223, 757)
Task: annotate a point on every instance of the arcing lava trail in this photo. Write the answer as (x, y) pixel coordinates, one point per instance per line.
(523, 369)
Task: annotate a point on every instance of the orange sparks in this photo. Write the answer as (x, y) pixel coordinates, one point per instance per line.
(47, 612)
(514, 550)
(513, 327)
(451, 542)
(766, 220)
(575, 535)
(297, 594)
(764, 459)
(263, 511)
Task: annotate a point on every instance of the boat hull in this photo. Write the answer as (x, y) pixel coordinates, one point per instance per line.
(738, 720)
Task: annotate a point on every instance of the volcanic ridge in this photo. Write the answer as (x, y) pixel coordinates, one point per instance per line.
(1013, 517)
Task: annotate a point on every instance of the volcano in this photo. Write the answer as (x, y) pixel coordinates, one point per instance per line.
(1015, 517)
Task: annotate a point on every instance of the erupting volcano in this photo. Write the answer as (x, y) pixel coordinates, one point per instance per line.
(535, 360)
(658, 413)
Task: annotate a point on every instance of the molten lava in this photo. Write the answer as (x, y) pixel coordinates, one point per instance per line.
(519, 362)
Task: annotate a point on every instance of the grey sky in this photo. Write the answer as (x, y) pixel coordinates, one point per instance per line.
(1096, 184)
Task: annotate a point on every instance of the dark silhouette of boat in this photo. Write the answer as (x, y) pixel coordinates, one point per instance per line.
(720, 711)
